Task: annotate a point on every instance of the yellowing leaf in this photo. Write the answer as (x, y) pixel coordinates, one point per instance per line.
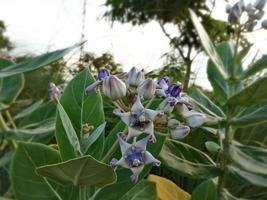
(167, 190)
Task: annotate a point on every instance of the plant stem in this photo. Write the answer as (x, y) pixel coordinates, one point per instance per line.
(234, 67)
(82, 192)
(10, 119)
(4, 127)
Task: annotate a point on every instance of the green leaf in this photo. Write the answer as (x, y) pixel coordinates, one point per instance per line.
(207, 190)
(69, 130)
(82, 109)
(187, 161)
(144, 190)
(223, 88)
(251, 116)
(28, 110)
(208, 45)
(258, 66)
(202, 100)
(212, 147)
(252, 94)
(27, 185)
(82, 171)
(88, 141)
(10, 87)
(248, 163)
(35, 63)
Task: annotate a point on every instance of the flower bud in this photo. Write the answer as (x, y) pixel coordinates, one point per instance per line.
(53, 91)
(195, 119)
(167, 105)
(259, 4)
(264, 24)
(250, 26)
(103, 73)
(147, 89)
(178, 130)
(114, 88)
(174, 90)
(135, 77)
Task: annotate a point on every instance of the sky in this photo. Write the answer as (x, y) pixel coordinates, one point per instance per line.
(38, 26)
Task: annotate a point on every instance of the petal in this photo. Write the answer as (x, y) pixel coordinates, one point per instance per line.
(91, 87)
(153, 113)
(149, 129)
(125, 117)
(180, 132)
(149, 159)
(161, 93)
(136, 171)
(132, 132)
(141, 144)
(137, 106)
(124, 146)
(122, 162)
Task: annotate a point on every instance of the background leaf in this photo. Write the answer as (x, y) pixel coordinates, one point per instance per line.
(144, 190)
(35, 63)
(10, 87)
(252, 94)
(205, 191)
(187, 160)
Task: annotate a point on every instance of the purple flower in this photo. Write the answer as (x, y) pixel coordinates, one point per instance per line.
(135, 156)
(167, 105)
(53, 91)
(139, 120)
(174, 90)
(103, 73)
(147, 89)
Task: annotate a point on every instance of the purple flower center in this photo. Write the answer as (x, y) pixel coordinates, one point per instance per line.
(174, 90)
(103, 73)
(138, 119)
(136, 158)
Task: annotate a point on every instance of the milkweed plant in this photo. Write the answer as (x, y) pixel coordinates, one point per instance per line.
(64, 148)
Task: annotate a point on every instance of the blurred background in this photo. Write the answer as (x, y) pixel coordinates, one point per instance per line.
(155, 35)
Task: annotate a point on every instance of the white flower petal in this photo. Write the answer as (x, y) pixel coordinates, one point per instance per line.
(149, 129)
(125, 117)
(124, 146)
(153, 113)
(132, 132)
(136, 171)
(149, 159)
(141, 144)
(122, 162)
(137, 106)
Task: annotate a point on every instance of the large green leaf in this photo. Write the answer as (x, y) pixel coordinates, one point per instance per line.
(251, 116)
(208, 45)
(82, 109)
(144, 190)
(10, 87)
(205, 103)
(187, 161)
(248, 163)
(82, 171)
(35, 63)
(258, 66)
(124, 184)
(68, 128)
(205, 191)
(252, 94)
(27, 185)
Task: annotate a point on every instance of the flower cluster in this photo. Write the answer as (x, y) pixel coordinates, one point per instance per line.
(253, 12)
(142, 120)
(54, 91)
